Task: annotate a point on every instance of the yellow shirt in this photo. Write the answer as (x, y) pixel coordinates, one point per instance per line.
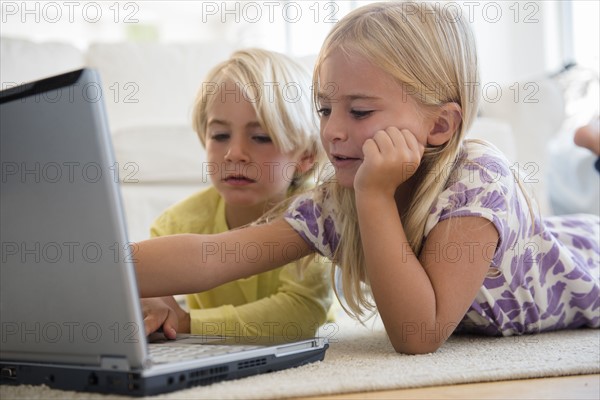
(280, 302)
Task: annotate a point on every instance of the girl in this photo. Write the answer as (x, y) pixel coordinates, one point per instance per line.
(261, 148)
(434, 225)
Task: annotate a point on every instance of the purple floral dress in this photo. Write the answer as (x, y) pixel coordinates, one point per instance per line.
(544, 274)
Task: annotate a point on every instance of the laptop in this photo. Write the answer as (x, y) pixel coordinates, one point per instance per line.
(69, 306)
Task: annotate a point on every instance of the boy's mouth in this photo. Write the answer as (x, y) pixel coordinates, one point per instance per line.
(238, 179)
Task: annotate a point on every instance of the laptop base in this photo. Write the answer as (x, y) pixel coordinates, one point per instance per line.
(135, 384)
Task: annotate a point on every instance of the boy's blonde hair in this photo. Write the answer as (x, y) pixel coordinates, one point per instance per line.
(279, 89)
(431, 54)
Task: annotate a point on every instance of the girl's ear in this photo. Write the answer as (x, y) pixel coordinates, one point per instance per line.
(445, 123)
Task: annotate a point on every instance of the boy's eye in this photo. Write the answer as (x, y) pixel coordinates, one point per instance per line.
(360, 113)
(219, 137)
(262, 138)
(324, 111)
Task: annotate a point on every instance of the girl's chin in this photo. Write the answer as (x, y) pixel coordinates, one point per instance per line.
(347, 182)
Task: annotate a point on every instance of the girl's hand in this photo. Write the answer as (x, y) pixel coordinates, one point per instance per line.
(164, 312)
(389, 159)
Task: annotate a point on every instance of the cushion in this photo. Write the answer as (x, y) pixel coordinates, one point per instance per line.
(152, 84)
(26, 61)
(497, 132)
(159, 153)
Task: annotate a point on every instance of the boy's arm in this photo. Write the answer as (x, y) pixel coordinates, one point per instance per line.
(191, 263)
(296, 311)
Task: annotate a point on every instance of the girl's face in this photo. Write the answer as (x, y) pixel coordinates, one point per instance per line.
(357, 99)
(246, 167)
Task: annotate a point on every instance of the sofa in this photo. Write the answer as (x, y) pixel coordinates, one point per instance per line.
(149, 90)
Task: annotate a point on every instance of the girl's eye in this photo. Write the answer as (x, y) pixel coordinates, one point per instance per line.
(324, 111)
(360, 114)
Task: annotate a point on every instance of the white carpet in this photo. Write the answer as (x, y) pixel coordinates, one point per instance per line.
(362, 359)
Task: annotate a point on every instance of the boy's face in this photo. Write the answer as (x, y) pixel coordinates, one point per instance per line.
(357, 99)
(247, 168)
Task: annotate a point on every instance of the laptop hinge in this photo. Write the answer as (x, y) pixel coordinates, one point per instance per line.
(115, 363)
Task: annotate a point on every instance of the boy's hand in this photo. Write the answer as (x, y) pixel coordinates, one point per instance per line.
(390, 158)
(164, 312)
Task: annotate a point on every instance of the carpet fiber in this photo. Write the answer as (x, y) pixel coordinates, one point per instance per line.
(362, 359)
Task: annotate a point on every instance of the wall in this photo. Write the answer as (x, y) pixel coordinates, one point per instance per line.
(516, 39)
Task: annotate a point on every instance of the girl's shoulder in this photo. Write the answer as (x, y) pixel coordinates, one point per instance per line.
(315, 216)
(479, 168)
(480, 159)
(479, 184)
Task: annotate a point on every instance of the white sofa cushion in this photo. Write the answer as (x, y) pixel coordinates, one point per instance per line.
(143, 203)
(25, 61)
(497, 132)
(535, 111)
(148, 84)
(159, 154)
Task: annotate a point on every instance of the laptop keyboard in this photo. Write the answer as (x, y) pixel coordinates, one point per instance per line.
(161, 354)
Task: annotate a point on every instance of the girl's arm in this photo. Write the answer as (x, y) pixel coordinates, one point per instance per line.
(191, 263)
(420, 300)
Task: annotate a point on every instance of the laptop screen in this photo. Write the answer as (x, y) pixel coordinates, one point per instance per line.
(68, 291)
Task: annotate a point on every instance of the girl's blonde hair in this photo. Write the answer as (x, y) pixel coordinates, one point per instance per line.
(431, 53)
(279, 89)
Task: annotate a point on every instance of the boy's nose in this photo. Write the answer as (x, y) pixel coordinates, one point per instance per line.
(236, 153)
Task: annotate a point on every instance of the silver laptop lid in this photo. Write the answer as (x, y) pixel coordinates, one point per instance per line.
(67, 283)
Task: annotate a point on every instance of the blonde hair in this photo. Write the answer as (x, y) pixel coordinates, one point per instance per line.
(431, 54)
(279, 90)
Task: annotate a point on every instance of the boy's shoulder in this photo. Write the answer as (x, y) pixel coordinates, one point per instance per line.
(197, 213)
(203, 201)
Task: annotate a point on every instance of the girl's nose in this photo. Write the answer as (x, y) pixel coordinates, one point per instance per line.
(333, 129)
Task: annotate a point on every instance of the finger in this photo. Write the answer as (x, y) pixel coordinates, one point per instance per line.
(370, 149)
(170, 325)
(412, 142)
(151, 324)
(397, 138)
(414, 152)
(384, 141)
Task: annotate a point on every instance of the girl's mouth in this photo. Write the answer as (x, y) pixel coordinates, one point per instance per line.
(340, 161)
